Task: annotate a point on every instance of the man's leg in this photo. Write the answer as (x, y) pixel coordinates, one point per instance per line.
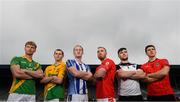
(123, 98)
(136, 98)
(162, 98)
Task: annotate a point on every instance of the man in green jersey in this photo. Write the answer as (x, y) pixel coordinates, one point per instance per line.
(24, 71)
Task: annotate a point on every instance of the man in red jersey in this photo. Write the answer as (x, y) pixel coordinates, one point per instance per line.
(157, 77)
(104, 77)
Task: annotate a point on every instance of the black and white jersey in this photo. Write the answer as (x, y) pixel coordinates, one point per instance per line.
(128, 87)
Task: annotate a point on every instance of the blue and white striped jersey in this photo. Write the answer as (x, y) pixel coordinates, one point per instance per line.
(76, 85)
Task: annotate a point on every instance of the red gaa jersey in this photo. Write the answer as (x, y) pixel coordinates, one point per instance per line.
(161, 87)
(105, 87)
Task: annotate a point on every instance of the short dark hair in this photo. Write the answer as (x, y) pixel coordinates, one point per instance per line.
(59, 50)
(32, 43)
(148, 47)
(103, 48)
(121, 49)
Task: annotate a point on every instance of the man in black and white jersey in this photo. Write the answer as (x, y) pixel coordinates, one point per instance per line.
(128, 76)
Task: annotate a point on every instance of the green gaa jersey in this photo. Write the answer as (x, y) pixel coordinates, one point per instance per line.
(24, 86)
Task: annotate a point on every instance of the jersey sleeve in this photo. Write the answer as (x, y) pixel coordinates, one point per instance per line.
(62, 71)
(69, 63)
(118, 67)
(138, 66)
(107, 65)
(37, 66)
(88, 68)
(46, 71)
(142, 67)
(165, 62)
(15, 61)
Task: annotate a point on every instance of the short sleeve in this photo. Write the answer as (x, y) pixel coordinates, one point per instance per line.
(69, 63)
(138, 66)
(38, 66)
(107, 65)
(165, 62)
(15, 61)
(142, 67)
(47, 71)
(88, 68)
(62, 71)
(118, 67)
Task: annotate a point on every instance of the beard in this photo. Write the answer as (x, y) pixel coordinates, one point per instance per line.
(29, 53)
(101, 58)
(124, 59)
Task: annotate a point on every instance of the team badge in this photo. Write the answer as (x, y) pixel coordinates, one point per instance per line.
(157, 64)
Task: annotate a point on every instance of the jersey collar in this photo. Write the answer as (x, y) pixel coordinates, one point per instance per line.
(58, 63)
(125, 63)
(27, 58)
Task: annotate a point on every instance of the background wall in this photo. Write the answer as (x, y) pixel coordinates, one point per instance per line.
(110, 23)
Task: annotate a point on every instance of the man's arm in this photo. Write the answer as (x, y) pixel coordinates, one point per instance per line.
(18, 73)
(149, 80)
(125, 74)
(138, 75)
(100, 74)
(36, 74)
(46, 79)
(80, 74)
(160, 74)
(57, 80)
(60, 77)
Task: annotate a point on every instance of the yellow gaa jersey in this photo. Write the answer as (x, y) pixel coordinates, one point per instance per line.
(55, 91)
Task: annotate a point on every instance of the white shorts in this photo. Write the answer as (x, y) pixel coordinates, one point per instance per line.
(15, 97)
(106, 100)
(53, 100)
(77, 98)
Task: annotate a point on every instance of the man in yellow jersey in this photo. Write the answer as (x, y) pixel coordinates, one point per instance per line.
(24, 71)
(54, 75)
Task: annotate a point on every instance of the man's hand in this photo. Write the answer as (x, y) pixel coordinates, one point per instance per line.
(149, 80)
(57, 80)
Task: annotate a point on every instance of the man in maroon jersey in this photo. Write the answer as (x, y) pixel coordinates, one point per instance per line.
(157, 70)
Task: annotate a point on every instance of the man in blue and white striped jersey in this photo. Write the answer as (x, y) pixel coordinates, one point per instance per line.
(78, 73)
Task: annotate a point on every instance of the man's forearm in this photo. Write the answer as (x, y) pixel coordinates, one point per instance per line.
(159, 74)
(100, 73)
(35, 74)
(82, 74)
(87, 77)
(22, 75)
(57, 80)
(138, 75)
(125, 74)
(46, 79)
(149, 80)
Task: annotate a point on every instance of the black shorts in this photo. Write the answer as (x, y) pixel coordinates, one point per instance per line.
(161, 98)
(130, 98)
